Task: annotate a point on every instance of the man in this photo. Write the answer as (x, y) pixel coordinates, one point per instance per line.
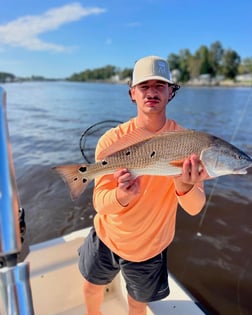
(135, 220)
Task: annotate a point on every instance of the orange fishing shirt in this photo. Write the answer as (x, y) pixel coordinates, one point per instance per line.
(146, 226)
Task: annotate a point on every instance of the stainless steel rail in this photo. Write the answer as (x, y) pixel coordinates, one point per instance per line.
(15, 291)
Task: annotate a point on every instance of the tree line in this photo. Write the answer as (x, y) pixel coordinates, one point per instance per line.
(5, 76)
(105, 73)
(213, 60)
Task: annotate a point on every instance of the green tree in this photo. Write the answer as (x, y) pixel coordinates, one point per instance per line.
(245, 66)
(230, 63)
(174, 61)
(194, 66)
(203, 55)
(215, 56)
(4, 76)
(126, 73)
(184, 59)
(104, 73)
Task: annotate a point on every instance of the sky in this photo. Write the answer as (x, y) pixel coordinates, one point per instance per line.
(56, 38)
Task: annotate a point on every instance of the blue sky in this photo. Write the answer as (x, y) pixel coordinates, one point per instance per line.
(56, 38)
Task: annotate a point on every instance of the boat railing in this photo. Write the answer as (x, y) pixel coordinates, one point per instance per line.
(15, 289)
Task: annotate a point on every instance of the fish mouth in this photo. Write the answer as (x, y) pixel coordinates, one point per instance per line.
(242, 170)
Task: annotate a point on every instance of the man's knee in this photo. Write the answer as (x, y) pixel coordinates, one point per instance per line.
(92, 289)
(136, 308)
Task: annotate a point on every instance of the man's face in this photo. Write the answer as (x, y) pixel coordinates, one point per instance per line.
(151, 96)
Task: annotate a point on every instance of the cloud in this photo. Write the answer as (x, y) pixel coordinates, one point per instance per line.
(24, 31)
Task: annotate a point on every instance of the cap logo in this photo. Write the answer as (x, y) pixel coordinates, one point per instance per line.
(161, 67)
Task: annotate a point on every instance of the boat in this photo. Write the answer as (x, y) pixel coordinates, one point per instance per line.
(48, 281)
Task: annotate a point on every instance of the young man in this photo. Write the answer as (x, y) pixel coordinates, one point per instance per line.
(135, 220)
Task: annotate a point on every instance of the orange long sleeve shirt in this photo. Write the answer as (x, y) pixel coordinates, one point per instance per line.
(146, 226)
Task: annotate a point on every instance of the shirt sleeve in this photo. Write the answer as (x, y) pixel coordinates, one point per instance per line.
(194, 200)
(104, 196)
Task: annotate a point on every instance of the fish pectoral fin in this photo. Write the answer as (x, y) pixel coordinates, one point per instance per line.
(73, 176)
(177, 163)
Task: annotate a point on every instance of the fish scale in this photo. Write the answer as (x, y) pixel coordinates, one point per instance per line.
(169, 147)
(162, 154)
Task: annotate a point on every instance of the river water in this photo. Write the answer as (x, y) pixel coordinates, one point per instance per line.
(211, 253)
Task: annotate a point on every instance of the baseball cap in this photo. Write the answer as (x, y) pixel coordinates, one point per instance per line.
(151, 68)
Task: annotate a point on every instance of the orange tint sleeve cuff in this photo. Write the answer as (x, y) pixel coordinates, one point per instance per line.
(193, 201)
(105, 201)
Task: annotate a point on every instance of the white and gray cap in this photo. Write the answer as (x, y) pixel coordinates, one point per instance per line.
(151, 68)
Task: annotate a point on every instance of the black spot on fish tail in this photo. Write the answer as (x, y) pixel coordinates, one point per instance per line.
(83, 169)
(73, 177)
(128, 153)
(153, 153)
(104, 163)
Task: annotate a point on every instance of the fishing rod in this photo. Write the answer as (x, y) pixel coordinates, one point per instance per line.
(242, 115)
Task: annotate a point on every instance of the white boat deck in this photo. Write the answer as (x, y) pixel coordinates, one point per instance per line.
(56, 284)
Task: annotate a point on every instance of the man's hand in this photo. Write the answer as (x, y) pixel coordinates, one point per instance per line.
(193, 173)
(127, 186)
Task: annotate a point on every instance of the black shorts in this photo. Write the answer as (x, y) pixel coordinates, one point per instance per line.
(146, 281)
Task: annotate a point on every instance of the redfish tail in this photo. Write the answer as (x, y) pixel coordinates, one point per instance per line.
(73, 177)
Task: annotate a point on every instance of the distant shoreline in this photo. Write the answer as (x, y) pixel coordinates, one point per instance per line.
(224, 83)
(195, 83)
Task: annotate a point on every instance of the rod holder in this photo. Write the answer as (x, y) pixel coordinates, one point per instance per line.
(16, 296)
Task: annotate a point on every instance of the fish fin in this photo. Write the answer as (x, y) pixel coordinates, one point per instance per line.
(73, 177)
(135, 136)
(177, 163)
(173, 170)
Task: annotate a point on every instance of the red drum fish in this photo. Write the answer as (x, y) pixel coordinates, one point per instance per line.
(161, 155)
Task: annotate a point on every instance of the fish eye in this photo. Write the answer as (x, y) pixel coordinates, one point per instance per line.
(240, 156)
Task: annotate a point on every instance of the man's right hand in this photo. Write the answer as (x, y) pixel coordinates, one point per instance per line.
(127, 186)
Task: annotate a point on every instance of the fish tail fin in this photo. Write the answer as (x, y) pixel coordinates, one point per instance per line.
(72, 175)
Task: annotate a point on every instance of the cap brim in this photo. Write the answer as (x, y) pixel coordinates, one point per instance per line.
(152, 78)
